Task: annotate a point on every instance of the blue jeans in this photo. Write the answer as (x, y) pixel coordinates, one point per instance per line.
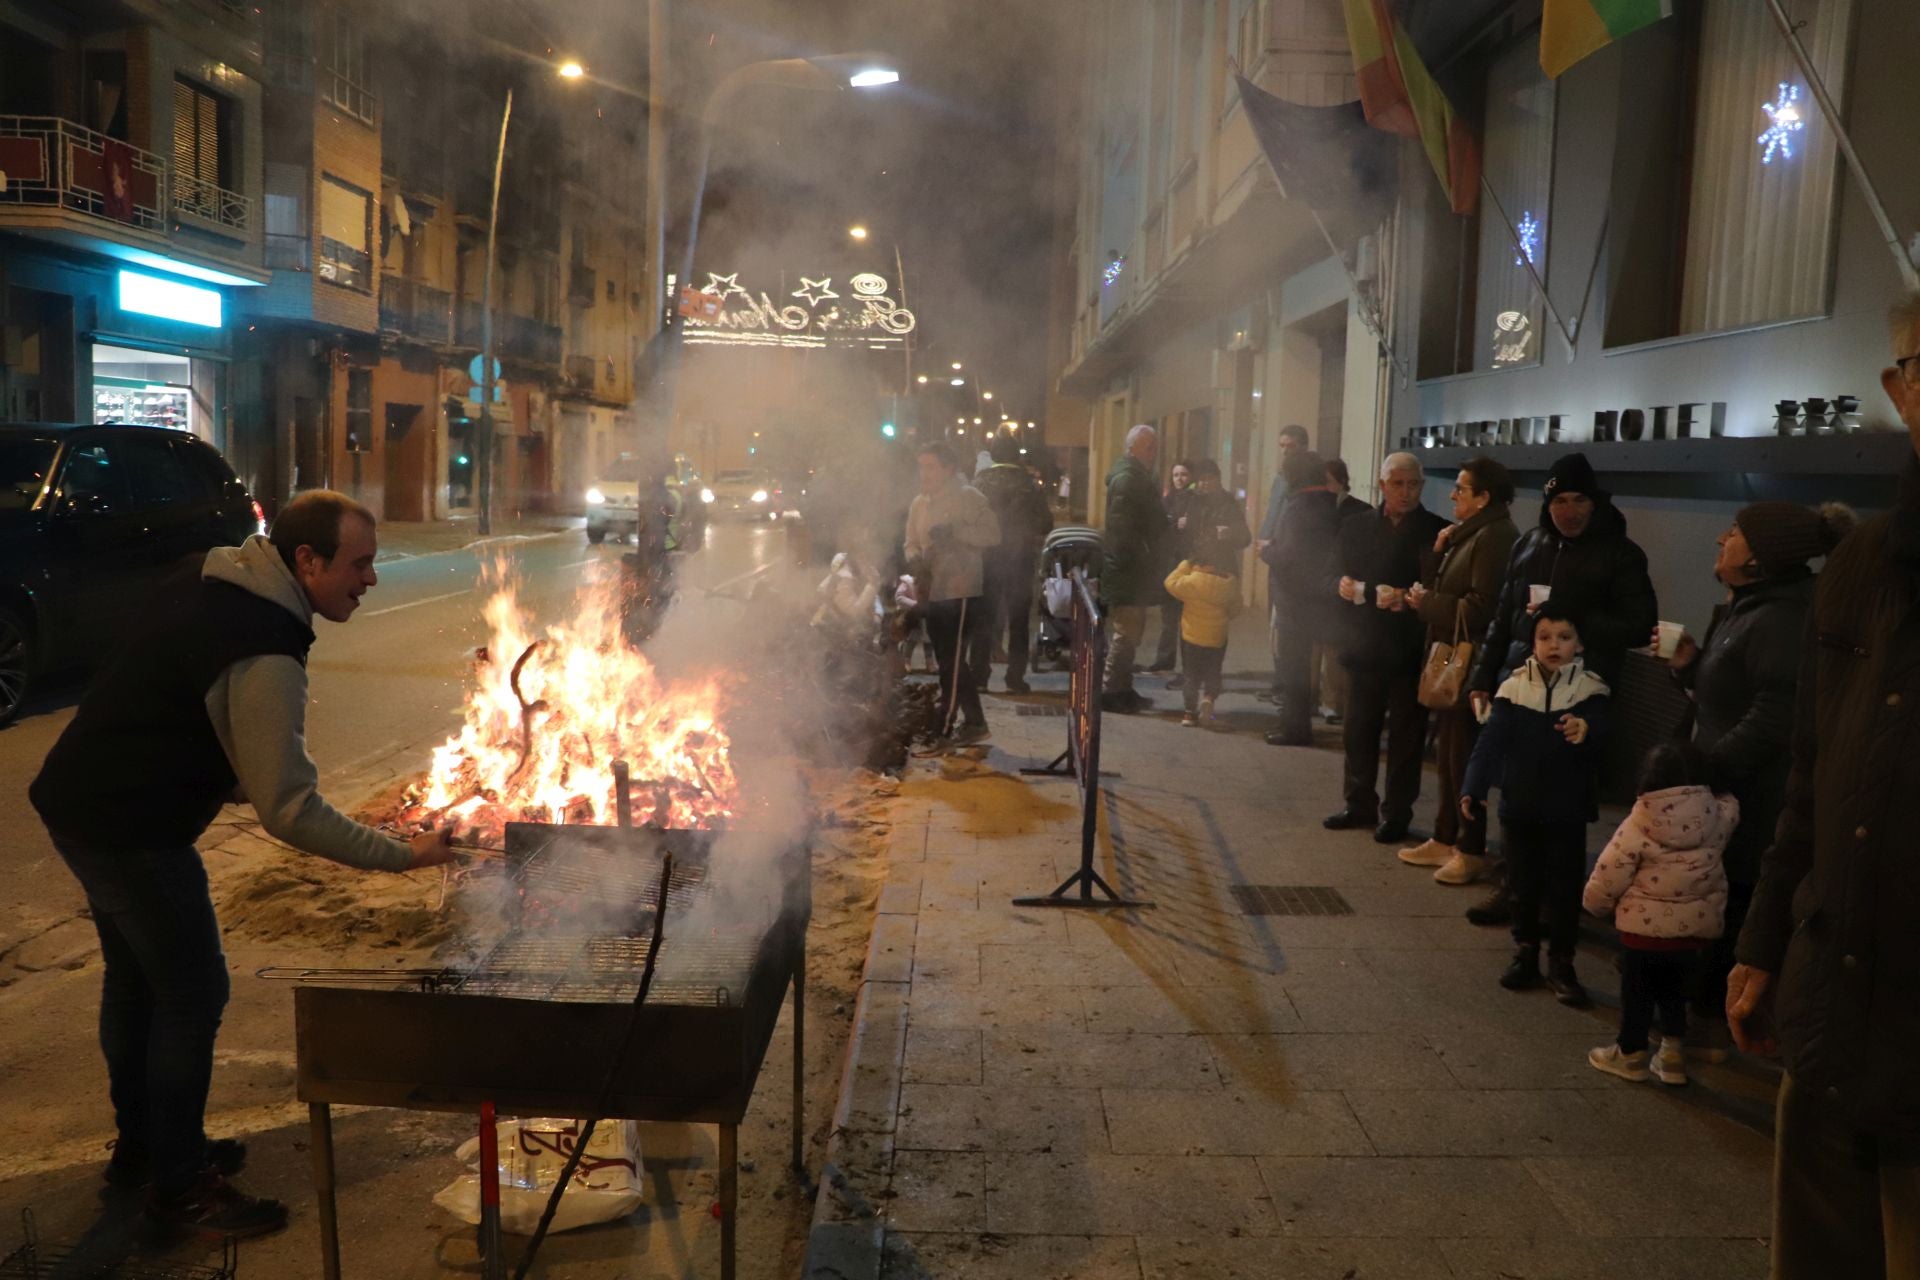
(160, 1003)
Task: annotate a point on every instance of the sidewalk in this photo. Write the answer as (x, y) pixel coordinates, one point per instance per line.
(405, 539)
(1190, 1091)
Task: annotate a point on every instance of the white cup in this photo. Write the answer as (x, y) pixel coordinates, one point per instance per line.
(1359, 593)
(1670, 633)
(1537, 594)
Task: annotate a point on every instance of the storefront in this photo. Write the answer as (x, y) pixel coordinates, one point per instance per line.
(156, 389)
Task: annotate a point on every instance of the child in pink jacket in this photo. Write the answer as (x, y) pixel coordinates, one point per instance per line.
(1661, 879)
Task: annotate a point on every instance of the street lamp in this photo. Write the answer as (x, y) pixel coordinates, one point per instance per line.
(986, 395)
(921, 379)
(571, 70)
(857, 232)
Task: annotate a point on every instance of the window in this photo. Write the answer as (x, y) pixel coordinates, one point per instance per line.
(343, 67)
(359, 410)
(1518, 150)
(612, 292)
(157, 475)
(203, 156)
(346, 234)
(91, 481)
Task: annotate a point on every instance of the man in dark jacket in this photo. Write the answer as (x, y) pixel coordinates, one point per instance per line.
(1131, 552)
(1297, 558)
(1377, 558)
(1581, 558)
(1010, 568)
(1293, 441)
(1178, 546)
(205, 706)
(1831, 938)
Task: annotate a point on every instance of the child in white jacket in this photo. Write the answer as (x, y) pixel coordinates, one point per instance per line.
(1661, 879)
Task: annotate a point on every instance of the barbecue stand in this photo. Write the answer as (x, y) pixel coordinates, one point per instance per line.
(532, 1025)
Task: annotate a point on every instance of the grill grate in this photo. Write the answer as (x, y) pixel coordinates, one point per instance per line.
(1039, 709)
(1289, 900)
(703, 971)
(36, 1261)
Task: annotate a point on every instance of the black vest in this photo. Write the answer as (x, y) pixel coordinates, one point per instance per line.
(140, 766)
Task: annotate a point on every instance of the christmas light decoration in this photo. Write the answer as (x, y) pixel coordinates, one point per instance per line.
(1115, 266)
(1783, 115)
(816, 318)
(1528, 237)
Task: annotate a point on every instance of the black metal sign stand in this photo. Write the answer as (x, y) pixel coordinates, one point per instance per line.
(1081, 759)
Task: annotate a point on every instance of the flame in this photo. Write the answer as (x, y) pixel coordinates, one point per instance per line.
(586, 698)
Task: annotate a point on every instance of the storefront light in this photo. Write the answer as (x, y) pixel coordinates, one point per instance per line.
(170, 300)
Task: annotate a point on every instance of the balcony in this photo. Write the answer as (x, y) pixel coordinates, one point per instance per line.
(56, 164)
(515, 337)
(580, 373)
(346, 266)
(212, 203)
(409, 309)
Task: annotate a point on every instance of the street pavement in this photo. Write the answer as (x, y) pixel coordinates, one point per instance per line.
(1188, 1091)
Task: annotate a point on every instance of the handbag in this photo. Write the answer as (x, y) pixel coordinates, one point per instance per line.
(1443, 681)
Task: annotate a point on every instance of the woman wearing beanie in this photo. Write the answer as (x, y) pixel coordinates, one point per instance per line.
(1742, 678)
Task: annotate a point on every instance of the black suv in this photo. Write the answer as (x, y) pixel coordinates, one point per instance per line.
(90, 518)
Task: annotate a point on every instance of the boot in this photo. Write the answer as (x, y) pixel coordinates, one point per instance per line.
(1565, 984)
(1523, 971)
(1494, 909)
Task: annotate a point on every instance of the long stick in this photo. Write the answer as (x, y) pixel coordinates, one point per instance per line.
(1908, 272)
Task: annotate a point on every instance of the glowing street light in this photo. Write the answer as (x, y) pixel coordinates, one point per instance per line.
(986, 395)
(957, 366)
(873, 78)
(922, 378)
(857, 232)
(571, 70)
(959, 382)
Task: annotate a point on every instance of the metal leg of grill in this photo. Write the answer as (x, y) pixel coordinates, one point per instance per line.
(800, 1063)
(729, 1196)
(320, 1118)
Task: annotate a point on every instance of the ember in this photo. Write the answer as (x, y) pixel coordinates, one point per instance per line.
(550, 714)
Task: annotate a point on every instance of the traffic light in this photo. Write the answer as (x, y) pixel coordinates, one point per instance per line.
(886, 429)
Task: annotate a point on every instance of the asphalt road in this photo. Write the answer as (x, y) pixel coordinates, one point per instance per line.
(386, 687)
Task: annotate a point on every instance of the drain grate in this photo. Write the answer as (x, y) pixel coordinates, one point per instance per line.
(1290, 900)
(1039, 709)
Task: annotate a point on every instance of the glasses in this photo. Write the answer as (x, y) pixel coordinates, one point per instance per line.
(1909, 368)
(1463, 491)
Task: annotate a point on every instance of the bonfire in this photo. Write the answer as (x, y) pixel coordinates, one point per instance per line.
(548, 715)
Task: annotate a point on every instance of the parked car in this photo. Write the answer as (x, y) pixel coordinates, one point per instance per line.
(613, 502)
(754, 495)
(91, 517)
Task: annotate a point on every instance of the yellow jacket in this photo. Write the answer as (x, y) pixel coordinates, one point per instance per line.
(1206, 599)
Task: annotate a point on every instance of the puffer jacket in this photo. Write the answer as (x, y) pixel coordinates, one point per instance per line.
(1836, 914)
(1742, 685)
(1542, 777)
(1131, 541)
(1599, 577)
(1661, 875)
(1207, 600)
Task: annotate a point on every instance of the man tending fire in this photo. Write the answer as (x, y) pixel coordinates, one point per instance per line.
(206, 705)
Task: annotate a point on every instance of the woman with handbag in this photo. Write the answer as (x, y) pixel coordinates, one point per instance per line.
(1457, 606)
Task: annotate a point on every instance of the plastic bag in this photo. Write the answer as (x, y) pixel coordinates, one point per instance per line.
(1058, 593)
(606, 1186)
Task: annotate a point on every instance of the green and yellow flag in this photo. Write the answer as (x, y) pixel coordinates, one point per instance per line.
(1572, 29)
(1400, 96)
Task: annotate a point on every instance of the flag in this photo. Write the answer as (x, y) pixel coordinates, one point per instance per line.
(1572, 29)
(1326, 158)
(1400, 96)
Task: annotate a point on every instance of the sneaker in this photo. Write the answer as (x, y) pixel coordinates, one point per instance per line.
(1566, 985)
(1176, 681)
(1329, 716)
(1348, 820)
(1460, 869)
(1670, 1062)
(128, 1170)
(1189, 720)
(1279, 738)
(1610, 1059)
(1017, 685)
(1493, 910)
(215, 1207)
(1523, 971)
(1267, 695)
(1430, 854)
(1206, 711)
(968, 734)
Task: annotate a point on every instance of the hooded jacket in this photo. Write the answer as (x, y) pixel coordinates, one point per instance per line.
(1542, 777)
(1599, 577)
(948, 533)
(1020, 507)
(1132, 539)
(1661, 875)
(1207, 601)
(209, 697)
(1834, 914)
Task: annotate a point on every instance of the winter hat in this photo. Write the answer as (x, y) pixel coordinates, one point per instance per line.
(1572, 474)
(1785, 535)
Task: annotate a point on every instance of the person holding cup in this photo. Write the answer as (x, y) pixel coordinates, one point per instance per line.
(1580, 558)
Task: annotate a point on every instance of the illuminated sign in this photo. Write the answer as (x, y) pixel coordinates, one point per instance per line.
(170, 300)
(814, 316)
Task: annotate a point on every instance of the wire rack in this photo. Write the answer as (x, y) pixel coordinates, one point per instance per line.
(36, 1261)
(579, 867)
(710, 971)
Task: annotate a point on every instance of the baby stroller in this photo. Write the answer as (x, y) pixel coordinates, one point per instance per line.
(1067, 548)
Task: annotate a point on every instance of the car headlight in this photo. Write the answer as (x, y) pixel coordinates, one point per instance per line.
(706, 495)
(595, 497)
(759, 495)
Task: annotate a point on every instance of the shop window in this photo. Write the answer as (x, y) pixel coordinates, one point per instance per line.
(1518, 150)
(202, 152)
(144, 388)
(359, 410)
(346, 234)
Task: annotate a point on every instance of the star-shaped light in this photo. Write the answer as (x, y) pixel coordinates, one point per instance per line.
(724, 287)
(1527, 236)
(815, 291)
(1783, 113)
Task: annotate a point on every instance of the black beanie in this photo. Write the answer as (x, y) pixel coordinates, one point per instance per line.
(1785, 535)
(1572, 474)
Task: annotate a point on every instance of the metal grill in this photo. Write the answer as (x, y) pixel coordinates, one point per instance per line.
(36, 1261)
(712, 971)
(1040, 709)
(600, 865)
(1289, 900)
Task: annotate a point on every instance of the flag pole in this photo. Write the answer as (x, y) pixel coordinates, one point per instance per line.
(1369, 315)
(1908, 272)
(1539, 285)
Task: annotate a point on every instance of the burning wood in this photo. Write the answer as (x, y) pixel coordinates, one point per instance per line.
(540, 737)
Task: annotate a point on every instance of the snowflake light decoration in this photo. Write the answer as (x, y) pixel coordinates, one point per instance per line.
(1115, 265)
(1783, 114)
(1527, 240)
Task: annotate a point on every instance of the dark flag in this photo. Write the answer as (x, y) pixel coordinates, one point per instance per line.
(1327, 158)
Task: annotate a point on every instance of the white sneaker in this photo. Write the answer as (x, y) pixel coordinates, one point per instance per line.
(1628, 1066)
(1462, 868)
(1430, 854)
(1669, 1061)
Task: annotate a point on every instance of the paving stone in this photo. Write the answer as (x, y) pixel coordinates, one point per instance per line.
(1001, 1118)
(986, 1008)
(1112, 1194)
(890, 949)
(1509, 1061)
(1002, 924)
(1560, 1258)
(1232, 1122)
(875, 1054)
(1654, 1116)
(1085, 1060)
(1313, 1061)
(937, 1191)
(1400, 1197)
(1255, 1258)
(1460, 1122)
(948, 884)
(1189, 1009)
(923, 1256)
(1653, 1194)
(943, 1055)
(900, 895)
(1065, 966)
(958, 964)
